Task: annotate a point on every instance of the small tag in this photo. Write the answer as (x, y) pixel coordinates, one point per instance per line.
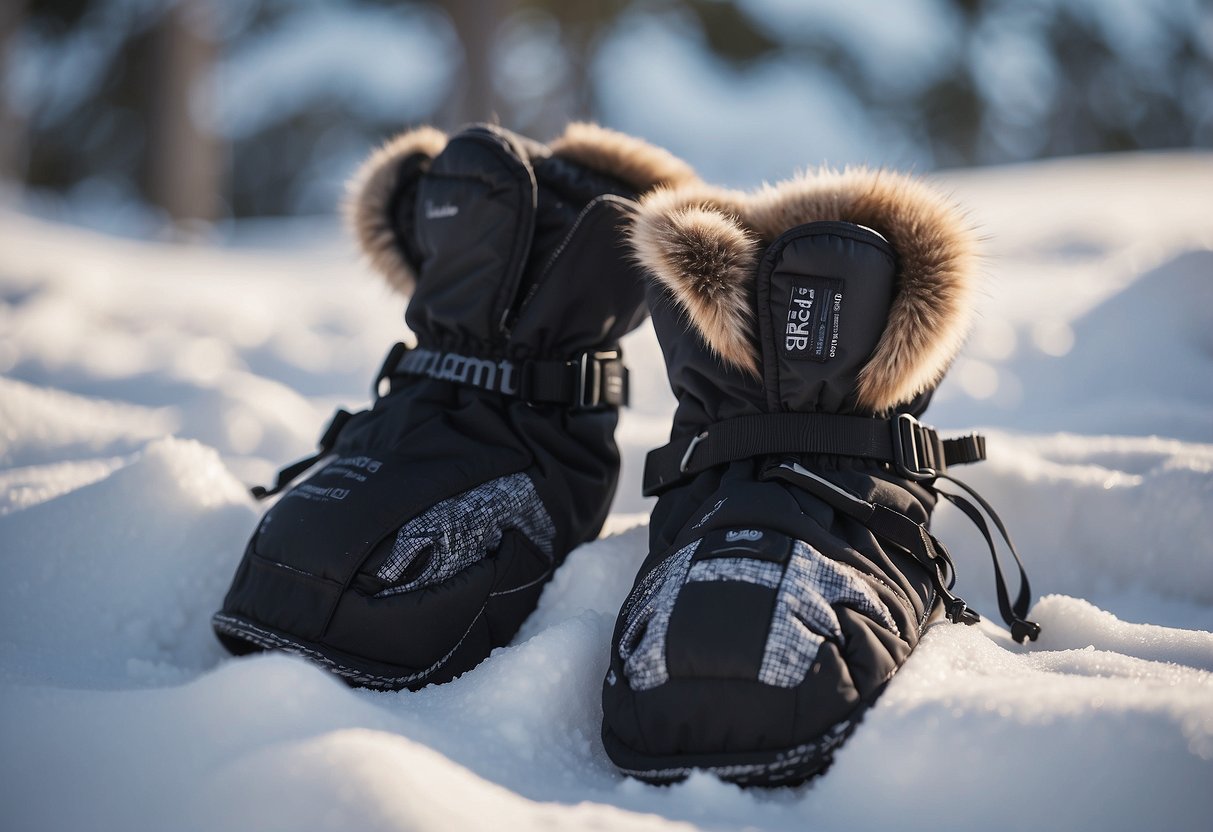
(814, 313)
(760, 544)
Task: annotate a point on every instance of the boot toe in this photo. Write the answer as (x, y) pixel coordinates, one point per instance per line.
(734, 675)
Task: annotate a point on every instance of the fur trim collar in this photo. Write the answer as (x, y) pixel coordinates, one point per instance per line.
(366, 207)
(704, 244)
(634, 162)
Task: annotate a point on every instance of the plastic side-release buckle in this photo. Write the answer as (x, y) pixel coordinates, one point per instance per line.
(914, 454)
(602, 380)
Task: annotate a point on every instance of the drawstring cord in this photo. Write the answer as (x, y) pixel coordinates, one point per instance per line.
(914, 538)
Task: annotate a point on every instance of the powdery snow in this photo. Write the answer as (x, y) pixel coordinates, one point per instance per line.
(1091, 371)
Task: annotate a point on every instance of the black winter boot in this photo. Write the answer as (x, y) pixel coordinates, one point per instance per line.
(489, 454)
(791, 571)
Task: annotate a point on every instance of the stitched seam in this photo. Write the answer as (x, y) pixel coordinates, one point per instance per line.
(538, 580)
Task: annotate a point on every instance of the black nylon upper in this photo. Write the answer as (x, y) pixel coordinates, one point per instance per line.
(518, 254)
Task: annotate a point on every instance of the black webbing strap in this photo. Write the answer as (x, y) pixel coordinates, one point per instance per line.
(914, 538)
(589, 380)
(290, 472)
(1015, 614)
(914, 449)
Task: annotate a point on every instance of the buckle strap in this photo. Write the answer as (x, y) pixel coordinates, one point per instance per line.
(915, 450)
(590, 380)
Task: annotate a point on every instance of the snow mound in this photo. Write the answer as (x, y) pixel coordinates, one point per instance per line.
(114, 582)
(40, 425)
(1151, 345)
(1093, 515)
(1054, 738)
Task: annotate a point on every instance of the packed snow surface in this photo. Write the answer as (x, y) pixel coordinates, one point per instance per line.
(146, 385)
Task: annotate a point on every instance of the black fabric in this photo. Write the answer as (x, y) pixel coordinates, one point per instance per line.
(701, 643)
(861, 601)
(519, 258)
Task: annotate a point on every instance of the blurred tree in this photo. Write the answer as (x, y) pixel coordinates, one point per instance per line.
(182, 168)
(12, 129)
(476, 24)
(106, 100)
(112, 102)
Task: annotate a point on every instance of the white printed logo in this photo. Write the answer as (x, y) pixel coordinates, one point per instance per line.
(742, 534)
(440, 212)
(800, 314)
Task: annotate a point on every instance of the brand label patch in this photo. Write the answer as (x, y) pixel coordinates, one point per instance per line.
(813, 319)
(755, 544)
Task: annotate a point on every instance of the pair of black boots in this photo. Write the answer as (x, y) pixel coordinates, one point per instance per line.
(790, 573)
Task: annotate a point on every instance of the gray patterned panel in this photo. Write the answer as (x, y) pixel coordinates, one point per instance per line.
(804, 617)
(461, 530)
(647, 616)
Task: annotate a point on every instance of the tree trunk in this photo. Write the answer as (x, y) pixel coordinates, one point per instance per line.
(183, 166)
(12, 125)
(476, 23)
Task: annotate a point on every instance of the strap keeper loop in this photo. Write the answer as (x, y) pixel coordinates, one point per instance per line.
(394, 356)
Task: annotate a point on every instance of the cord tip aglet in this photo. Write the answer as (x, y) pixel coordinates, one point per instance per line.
(960, 613)
(1022, 630)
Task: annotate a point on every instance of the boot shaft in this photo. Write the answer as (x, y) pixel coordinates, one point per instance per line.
(510, 247)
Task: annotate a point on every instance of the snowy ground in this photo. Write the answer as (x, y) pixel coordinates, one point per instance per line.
(1091, 369)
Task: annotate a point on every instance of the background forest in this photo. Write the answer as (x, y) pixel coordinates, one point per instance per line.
(151, 116)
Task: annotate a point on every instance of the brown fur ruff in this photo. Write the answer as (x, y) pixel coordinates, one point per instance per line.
(709, 266)
(366, 205)
(632, 161)
(692, 240)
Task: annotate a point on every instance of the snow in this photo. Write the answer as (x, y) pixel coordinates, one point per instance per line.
(144, 385)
